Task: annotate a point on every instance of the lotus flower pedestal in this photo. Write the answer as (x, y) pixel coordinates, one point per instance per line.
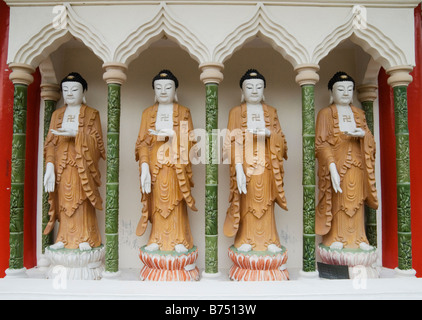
(75, 264)
(360, 262)
(258, 265)
(169, 265)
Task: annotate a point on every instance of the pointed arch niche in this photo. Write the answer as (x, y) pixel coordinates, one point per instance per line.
(283, 93)
(137, 95)
(72, 55)
(350, 57)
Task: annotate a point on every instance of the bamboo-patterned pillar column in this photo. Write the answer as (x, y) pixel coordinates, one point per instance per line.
(50, 94)
(367, 94)
(115, 76)
(399, 80)
(307, 77)
(21, 77)
(211, 76)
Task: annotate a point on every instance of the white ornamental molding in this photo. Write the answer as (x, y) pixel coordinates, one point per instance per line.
(372, 40)
(372, 71)
(63, 27)
(163, 24)
(48, 74)
(261, 24)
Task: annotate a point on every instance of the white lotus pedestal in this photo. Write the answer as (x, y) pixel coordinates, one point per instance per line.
(169, 265)
(361, 263)
(75, 264)
(258, 265)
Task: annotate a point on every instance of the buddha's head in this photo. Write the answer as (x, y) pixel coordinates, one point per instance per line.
(252, 85)
(73, 88)
(165, 85)
(341, 88)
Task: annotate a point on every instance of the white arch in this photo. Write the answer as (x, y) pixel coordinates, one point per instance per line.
(48, 74)
(372, 71)
(54, 34)
(162, 24)
(263, 25)
(380, 47)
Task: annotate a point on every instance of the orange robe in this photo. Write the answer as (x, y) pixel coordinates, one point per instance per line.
(340, 217)
(76, 195)
(171, 180)
(250, 216)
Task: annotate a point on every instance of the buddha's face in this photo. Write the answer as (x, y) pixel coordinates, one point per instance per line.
(343, 92)
(253, 90)
(73, 93)
(165, 91)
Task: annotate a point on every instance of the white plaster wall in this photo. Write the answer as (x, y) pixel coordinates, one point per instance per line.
(392, 22)
(23, 25)
(115, 22)
(282, 93)
(106, 28)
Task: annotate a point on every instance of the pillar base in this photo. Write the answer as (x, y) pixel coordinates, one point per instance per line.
(43, 263)
(213, 276)
(16, 273)
(404, 273)
(258, 265)
(76, 264)
(169, 265)
(106, 275)
(313, 275)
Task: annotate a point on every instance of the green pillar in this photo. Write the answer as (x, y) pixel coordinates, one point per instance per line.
(308, 178)
(370, 213)
(403, 178)
(367, 95)
(114, 76)
(307, 77)
(112, 180)
(21, 77)
(18, 177)
(50, 94)
(399, 79)
(211, 180)
(211, 76)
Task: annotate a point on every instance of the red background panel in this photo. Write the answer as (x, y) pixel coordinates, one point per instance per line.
(31, 165)
(388, 160)
(6, 129)
(415, 138)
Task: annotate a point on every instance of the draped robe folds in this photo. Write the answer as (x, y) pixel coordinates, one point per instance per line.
(171, 180)
(340, 216)
(76, 196)
(250, 217)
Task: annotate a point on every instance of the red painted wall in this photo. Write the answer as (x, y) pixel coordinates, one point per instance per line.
(6, 129)
(31, 165)
(388, 162)
(388, 172)
(31, 168)
(415, 137)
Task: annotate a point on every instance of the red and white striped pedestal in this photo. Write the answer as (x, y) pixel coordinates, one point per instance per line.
(169, 265)
(258, 266)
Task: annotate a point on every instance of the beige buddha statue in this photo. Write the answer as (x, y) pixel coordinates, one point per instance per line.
(166, 178)
(345, 150)
(73, 148)
(256, 146)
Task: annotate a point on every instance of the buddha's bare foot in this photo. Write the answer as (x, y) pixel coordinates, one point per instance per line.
(57, 245)
(365, 247)
(152, 247)
(180, 248)
(274, 248)
(337, 246)
(245, 248)
(84, 246)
